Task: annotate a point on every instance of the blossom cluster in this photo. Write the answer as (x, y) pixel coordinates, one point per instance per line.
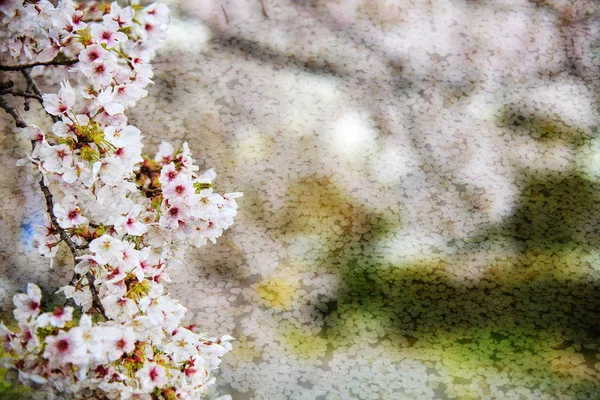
(122, 213)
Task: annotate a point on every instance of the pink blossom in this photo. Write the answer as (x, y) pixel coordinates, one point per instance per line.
(61, 103)
(27, 305)
(151, 375)
(107, 33)
(57, 318)
(68, 214)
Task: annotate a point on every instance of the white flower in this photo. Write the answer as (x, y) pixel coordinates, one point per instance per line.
(57, 318)
(27, 305)
(168, 173)
(129, 223)
(125, 136)
(182, 345)
(115, 341)
(123, 17)
(180, 187)
(163, 311)
(107, 249)
(165, 153)
(105, 100)
(81, 296)
(151, 375)
(156, 13)
(68, 214)
(73, 20)
(83, 338)
(119, 308)
(62, 102)
(60, 348)
(101, 72)
(55, 158)
(128, 94)
(175, 213)
(28, 336)
(107, 34)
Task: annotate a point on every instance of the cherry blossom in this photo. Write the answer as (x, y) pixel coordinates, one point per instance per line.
(61, 103)
(68, 213)
(27, 305)
(122, 213)
(151, 376)
(107, 33)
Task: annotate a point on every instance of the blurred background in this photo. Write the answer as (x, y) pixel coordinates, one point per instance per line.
(421, 210)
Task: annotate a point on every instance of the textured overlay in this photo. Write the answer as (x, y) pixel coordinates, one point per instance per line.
(421, 217)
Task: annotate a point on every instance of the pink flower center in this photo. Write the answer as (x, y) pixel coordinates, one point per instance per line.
(27, 335)
(63, 345)
(153, 374)
(33, 305)
(93, 55)
(58, 312)
(121, 344)
(99, 69)
(173, 211)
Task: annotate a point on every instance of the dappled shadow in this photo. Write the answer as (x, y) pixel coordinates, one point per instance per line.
(541, 127)
(554, 213)
(421, 299)
(537, 297)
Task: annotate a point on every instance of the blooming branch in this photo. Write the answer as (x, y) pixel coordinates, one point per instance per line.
(38, 64)
(120, 214)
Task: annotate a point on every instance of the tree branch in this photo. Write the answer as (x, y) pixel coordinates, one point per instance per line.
(69, 61)
(97, 304)
(73, 247)
(19, 93)
(31, 83)
(50, 210)
(14, 113)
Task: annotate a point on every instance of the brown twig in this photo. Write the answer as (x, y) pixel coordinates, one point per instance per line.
(50, 210)
(31, 83)
(97, 304)
(73, 247)
(264, 10)
(19, 93)
(6, 85)
(225, 13)
(14, 113)
(21, 67)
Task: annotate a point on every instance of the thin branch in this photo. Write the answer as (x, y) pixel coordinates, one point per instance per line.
(19, 93)
(31, 83)
(73, 247)
(14, 113)
(6, 85)
(225, 13)
(95, 299)
(69, 61)
(50, 210)
(264, 10)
